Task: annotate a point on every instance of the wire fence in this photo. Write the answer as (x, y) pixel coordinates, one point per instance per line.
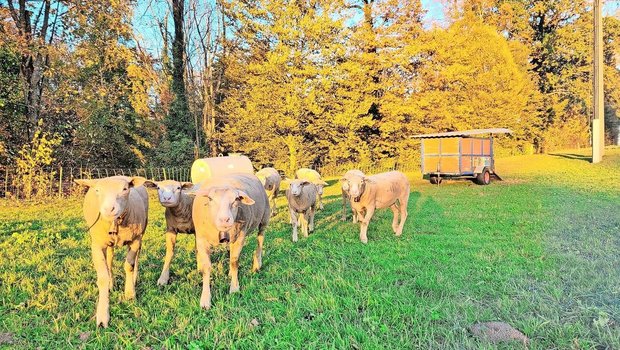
(59, 181)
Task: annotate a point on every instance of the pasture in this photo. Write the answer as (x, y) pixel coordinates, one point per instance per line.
(540, 250)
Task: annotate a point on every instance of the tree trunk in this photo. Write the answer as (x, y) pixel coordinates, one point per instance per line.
(179, 122)
(33, 60)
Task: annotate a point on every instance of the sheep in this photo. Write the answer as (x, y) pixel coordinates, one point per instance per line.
(270, 178)
(227, 209)
(302, 197)
(178, 214)
(314, 177)
(116, 211)
(346, 197)
(379, 191)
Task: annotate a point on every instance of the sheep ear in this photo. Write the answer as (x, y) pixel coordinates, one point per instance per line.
(86, 182)
(186, 185)
(150, 184)
(343, 179)
(244, 198)
(136, 181)
(321, 182)
(305, 182)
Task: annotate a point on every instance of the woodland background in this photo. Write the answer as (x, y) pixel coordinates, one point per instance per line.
(291, 83)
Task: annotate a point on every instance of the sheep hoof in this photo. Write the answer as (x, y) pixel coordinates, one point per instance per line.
(257, 264)
(130, 296)
(206, 305)
(103, 320)
(162, 281)
(233, 289)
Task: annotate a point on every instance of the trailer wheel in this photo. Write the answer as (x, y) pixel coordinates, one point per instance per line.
(435, 180)
(484, 178)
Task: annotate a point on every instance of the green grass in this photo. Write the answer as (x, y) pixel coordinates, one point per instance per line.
(540, 251)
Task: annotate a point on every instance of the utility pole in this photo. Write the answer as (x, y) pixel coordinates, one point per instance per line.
(598, 119)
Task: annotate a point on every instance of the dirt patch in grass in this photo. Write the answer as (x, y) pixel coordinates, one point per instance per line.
(6, 339)
(497, 332)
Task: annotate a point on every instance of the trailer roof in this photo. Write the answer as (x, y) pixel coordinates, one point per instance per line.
(463, 133)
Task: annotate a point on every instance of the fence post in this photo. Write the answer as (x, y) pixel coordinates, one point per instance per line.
(60, 181)
(165, 174)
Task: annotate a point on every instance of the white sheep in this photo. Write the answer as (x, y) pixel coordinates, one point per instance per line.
(379, 191)
(227, 209)
(314, 177)
(302, 197)
(270, 178)
(116, 212)
(178, 215)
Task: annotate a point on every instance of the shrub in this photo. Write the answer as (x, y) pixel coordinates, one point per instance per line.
(32, 179)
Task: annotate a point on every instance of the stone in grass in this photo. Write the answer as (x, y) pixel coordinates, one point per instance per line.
(6, 338)
(84, 336)
(497, 332)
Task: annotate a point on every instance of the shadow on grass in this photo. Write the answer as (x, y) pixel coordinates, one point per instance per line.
(572, 156)
(332, 182)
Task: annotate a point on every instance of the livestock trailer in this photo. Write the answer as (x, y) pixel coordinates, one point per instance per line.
(459, 154)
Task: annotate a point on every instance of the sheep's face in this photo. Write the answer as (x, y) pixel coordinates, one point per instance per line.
(112, 194)
(169, 191)
(356, 187)
(296, 186)
(223, 205)
(319, 189)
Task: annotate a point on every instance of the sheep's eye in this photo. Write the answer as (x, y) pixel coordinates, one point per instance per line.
(179, 188)
(125, 189)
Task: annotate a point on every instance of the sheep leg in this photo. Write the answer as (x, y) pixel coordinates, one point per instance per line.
(294, 223)
(320, 201)
(204, 266)
(355, 215)
(303, 219)
(273, 204)
(103, 284)
(395, 211)
(345, 198)
(311, 213)
(364, 224)
(171, 240)
(109, 257)
(258, 254)
(235, 252)
(403, 201)
(131, 269)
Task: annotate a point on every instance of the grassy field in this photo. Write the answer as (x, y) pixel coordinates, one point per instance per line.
(540, 250)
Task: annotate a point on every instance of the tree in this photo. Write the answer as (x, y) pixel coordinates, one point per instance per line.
(470, 79)
(35, 22)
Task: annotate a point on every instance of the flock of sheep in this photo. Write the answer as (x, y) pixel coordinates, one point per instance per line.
(219, 210)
